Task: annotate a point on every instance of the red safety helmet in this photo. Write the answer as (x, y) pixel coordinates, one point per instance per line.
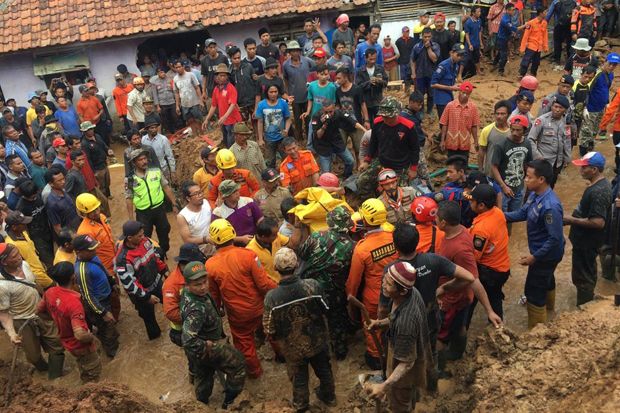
(386, 176)
(328, 179)
(424, 209)
(529, 82)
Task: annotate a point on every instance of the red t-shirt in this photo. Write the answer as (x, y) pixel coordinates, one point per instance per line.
(222, 99)
(88, 108)
(459, 250)
(67, 311)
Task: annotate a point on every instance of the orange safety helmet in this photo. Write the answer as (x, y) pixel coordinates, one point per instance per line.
(424, 209)
(386, 176)
(328, 179)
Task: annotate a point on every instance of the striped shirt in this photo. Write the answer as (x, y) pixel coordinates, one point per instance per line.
(93, 283)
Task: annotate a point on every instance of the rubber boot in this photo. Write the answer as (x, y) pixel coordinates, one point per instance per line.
(551, 300)
(56, 363)
(41, 365)
(229, 397)
(535, 315)
(441, 364)
(457, 348)
(584, 296)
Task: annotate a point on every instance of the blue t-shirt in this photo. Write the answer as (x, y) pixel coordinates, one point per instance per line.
(274, 118)
(445, 74)
(599, 92)
(319, 95)
(360, 58)
(69, 121)
(472, 28)
(506, 28)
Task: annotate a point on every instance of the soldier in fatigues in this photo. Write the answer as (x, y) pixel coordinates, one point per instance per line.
(295, 318)
(326, 257)
(204, 341)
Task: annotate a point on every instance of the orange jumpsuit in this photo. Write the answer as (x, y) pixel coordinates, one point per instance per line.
(426, 237)
(171, 292)
(370, 257)
(239, 283)
(249, 185)
(612, 113)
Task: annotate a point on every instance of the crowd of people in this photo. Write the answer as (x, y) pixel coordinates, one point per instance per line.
(273, 239)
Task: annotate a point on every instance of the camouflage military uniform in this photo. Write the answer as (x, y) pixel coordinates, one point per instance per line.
(294, 317)
(367, 180)
(202, 323)
(326, 258)
(399, 210)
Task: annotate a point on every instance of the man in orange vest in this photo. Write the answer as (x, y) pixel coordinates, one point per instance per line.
(370, 256)
(226, 163)
(424, 210)
(299, 169)
(535, 40)
(238, 283)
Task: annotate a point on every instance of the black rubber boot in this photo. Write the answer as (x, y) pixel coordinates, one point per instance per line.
(56, 363)
(229, 397)
(457, 348)
(441, 365)
(41, 365)
(372, 362)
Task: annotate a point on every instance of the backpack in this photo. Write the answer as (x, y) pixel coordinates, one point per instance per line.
(565, 11)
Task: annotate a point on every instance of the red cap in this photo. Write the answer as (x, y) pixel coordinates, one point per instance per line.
(520, 120)
(58, 142)
(466, 87)
(319, 53)
(89, 85)
(440, 15)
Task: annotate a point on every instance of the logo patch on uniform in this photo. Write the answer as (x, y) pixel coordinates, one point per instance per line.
(382, 252)
(548, 219)
(537, 122)
(479, 242)
(401, 135)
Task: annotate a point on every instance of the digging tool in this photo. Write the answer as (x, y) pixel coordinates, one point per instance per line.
(9, 384)
(373, 334)
(364, 378)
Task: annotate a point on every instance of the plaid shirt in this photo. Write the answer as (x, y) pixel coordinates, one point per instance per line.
(459, 119)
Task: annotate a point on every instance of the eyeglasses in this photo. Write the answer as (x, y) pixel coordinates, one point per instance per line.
(195, 194)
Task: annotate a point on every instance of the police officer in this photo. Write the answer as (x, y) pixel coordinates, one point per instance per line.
(294, 317)
(145, 191)
(204, 342)
(326, 257)
(565, 88)
(550, 137)
(543, 213)
(445, 76)
(397, 199)
(393, 144)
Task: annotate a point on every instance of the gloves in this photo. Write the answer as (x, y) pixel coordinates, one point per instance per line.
(586, 114)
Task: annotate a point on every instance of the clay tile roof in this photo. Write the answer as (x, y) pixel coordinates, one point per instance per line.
(31, 24)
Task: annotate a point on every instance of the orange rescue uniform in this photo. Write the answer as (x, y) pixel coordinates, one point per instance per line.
(297, 173)
(239, 283)
(491, 240)
(102, 232)
(370, 257)
(535, 36)
(612, 113)
(171, 292)
(249, 185)
(426, 238)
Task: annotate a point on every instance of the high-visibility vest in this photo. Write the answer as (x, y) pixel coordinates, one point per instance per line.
(147, 190)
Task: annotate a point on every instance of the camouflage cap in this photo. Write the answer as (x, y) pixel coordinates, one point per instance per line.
(285, 259)
(228, 187)
(194, 270)
(339, 219)
(389, 107)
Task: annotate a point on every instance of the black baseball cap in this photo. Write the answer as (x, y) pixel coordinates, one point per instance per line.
(16, 217)
(568, 79)
(131, 228)
(485, 194)
(84, 242)
(270, 175)
(190, 252)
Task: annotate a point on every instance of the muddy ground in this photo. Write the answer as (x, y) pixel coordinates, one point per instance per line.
(570, 365)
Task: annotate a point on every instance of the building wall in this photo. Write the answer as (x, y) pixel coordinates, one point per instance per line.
(17, 77)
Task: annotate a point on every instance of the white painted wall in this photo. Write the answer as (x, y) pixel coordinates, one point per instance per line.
(17, 77)
(394, 29)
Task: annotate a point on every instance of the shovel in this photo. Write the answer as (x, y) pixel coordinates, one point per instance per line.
(373, 334)
(364, 378)
(9, 384)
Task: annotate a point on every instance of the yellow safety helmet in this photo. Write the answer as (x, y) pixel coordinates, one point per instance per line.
(225, 159)
(87, 203)
(221, 231)
(373, 212)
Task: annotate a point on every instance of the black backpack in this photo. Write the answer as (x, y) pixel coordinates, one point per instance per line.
(565, 11)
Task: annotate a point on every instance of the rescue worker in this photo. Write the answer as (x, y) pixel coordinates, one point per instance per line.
(141, 273)
(97, 225)
(145, 191)
(205, 344)
(409, 344)
(543, 213)
(299, 169)
(238, 283)
(171, 293)
(424, 211)
(393, 144)
(294, 318)
(550, 138)
(611, 122)
(227, 164)
(535, 41)
(96, 286)
(397, 199)
(271, 195)
(490, 239)
(370, 257)
(326, 257)
(205, 173)
(587, 224)
(583, 23)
